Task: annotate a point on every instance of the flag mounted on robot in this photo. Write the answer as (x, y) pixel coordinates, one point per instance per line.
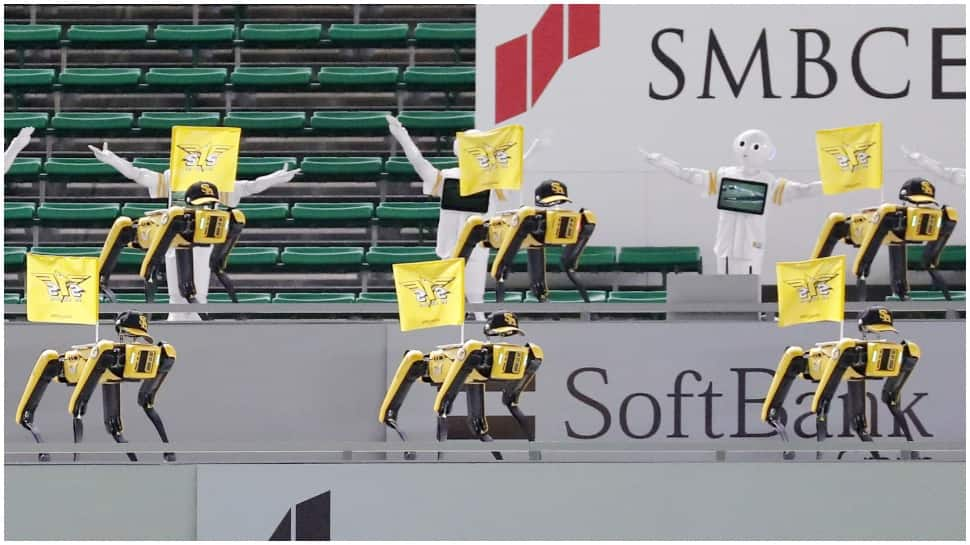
(160, 185)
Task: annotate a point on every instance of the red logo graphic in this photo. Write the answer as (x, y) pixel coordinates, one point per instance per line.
(511, 73)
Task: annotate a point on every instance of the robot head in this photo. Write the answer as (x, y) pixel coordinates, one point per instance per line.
(469, 132)
(551, 193)
(876, 320)
(132, 324)
(202, 194)
(753, 149)
(917, 191)
(502, 324)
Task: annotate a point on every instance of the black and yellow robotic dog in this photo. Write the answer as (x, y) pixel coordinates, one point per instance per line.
(134, 358)
(921, 219)
(198, 224)
(468, 367)
(852, 360)
(533, 229)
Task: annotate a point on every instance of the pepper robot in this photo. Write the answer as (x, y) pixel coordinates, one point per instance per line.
(180, 228)
(468, 367)
(920, 219)
(852, 360)
(135, 357)
(158, 185)
(533, 229)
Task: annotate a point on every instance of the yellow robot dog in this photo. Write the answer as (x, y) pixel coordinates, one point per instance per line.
(200, 224)
(894, 225)
(533, 229)
(468, 367)
(135, 358)
(852, 360)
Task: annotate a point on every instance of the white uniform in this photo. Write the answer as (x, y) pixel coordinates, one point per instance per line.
(956, 176)
(158, 185)
(741, 239)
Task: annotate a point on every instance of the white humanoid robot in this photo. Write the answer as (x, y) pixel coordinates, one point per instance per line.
(17, 145)
(741, 237)
(957, 176)
(158, 187)
(455, 209)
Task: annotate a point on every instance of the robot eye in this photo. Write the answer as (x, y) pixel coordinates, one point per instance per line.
(741, 143)
(755, 147)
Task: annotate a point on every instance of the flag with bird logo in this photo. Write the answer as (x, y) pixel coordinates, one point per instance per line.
(490, 160)
(850, 158)
(430, 293)
(811, 291)
(208, 154)
(62, 289)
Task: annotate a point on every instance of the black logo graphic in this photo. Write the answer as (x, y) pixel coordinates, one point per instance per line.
(309, 520)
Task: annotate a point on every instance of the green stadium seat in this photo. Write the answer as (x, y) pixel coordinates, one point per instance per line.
(637, 297)
(592, 258)
(266, 121)
(298, 32)
(18, 211)
(510, 297)
(139, 209)
(92, 122)
(953, 258)
(14, 257)
(322, 257)
(241, 296)
(918, 295)
(253, 257)
(131, 259)
(358, 77)
(409, 212)
(400, 167)
(186, 77)
(164, 121)
(14, 121)
(342, 167)
(77, 212)
(437, 121)
(569, 296)
(660, 258)
(330, 212)
(351, 122)
(95, 34)
(253, 167)
(194, 34)
(18, 34)
(313, 297)
(28, 77)
(99, 77)
(77, 166)
(274, 76)
(377, 297)
(382, 257)
(445, 33)
(359, 35)
(257, 212)
(440, 78)
(158, 164)
(78, 251)
(24, 166)
(11, 298)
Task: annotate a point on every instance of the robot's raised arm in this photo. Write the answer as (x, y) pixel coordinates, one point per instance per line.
(792, 364)
(219, 258)
(245, 188)
(694, 176)
(956, 176)
(17, 145)
(424, 168)
(787, 190)
(47, 367)
(413, 366)
(153, 181)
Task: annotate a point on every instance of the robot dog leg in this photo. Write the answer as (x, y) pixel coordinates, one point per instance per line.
(893, 387)
(888, 215)
(148, 390)
(572, 252)
(123, 232)
(512, 392)
(91, 373)
(526, 225)
(47, 368)
(111, 395)
(934, 248)
(792, 364)
(176, 224)
(219, 259)
(849, 354)
(413, 366)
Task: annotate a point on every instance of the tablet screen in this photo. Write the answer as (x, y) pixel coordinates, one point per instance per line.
(742, 196)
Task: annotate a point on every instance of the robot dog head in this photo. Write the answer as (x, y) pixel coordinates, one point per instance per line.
(551, 193)
(133, 324)
(876, 320)
(469, 132)
(753, 149)
(202, 193)
(918, 191)
(502, 324)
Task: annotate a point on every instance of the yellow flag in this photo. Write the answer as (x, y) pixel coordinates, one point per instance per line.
(811, 291)
(204, 154)
(850, 158)
(430, 293)
(490, 160)
(62, 289)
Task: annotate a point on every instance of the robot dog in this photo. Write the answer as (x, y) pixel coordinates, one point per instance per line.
(852, 360)
(199, 224)
(533, 229)
(920, 220)
(469, 367)
(134, 358)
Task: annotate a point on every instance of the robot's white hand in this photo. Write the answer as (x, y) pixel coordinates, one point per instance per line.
(104, 154)
(908, 152)
(23, 138)
(285, 174)
(395, 125)
(652, 157)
